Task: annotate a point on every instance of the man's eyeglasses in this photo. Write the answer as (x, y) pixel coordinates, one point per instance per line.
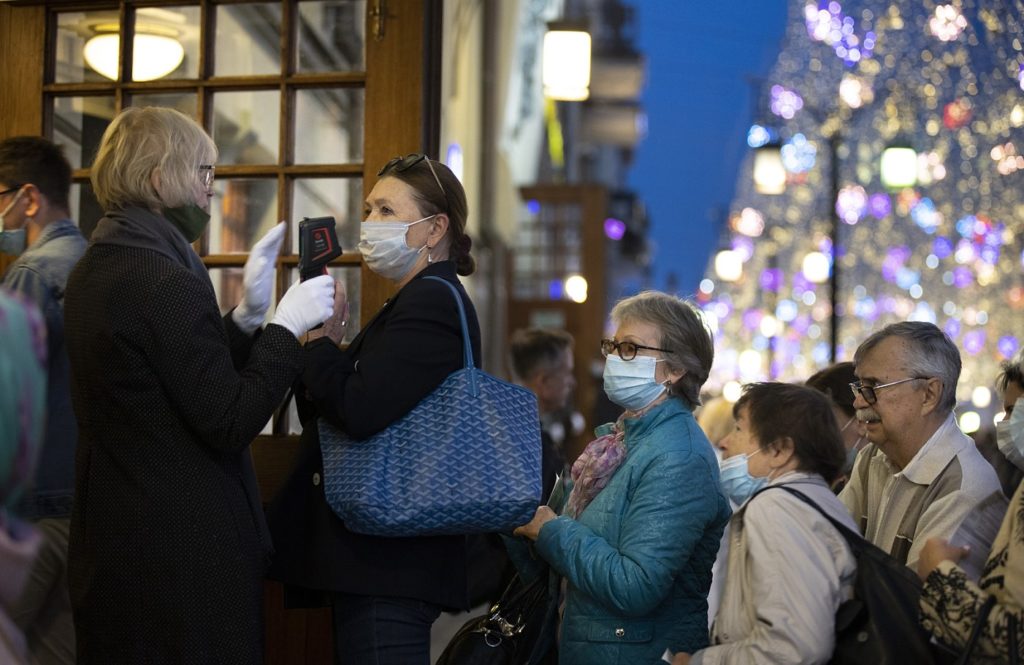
(626, 350)
(11, 190)
(868, 392)
(400, 164)
(206, 172)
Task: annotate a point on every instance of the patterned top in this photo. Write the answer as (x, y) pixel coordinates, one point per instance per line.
(22, 392)
(950, 601)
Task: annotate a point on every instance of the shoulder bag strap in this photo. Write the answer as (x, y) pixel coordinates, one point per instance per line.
(467, 348)
(855, 540)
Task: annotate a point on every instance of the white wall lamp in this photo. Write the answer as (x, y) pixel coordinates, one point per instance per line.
(566, 62)
(155, 54)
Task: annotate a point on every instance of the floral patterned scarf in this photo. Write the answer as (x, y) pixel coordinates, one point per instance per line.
(594, 468)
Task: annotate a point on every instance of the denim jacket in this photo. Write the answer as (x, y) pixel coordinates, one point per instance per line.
(40, 274)
(637, 561)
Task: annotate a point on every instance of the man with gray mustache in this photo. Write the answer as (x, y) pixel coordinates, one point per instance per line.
(920, 476)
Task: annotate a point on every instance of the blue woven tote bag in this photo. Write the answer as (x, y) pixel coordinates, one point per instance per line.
(465, 460)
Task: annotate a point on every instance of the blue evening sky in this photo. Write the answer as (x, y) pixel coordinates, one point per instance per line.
(700, 59)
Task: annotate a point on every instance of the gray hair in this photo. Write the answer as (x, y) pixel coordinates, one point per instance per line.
(1010, 371)
(930, 354)
(683, 332)
(141, 141)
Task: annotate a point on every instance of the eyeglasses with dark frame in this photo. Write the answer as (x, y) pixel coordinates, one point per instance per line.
(626, 350)
(206, 172)
(868, 392)
(11, 190)
(400, 164)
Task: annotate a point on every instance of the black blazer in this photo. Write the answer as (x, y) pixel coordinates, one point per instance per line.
(406, 351)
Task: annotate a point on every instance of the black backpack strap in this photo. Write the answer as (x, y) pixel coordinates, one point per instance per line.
(855, 540)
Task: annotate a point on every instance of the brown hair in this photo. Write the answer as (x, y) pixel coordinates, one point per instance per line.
(777, 411)
(432, 200)
(537, 348)
(835, 381)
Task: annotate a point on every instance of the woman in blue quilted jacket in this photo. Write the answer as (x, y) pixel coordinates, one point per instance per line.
(636, 540)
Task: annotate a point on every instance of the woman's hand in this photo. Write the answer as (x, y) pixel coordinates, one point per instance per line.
(934, 552)
(336, 326)
(681, 659)
(258, 280)
(540, 518)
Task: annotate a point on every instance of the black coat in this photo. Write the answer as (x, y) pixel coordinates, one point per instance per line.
(399, 358)
(168, 544)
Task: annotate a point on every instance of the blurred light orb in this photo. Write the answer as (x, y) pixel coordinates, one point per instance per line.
(786, 310)
(576, 288)
(970, 422)
(758, 136)
(957, 113)
(728, 265)
(854, 92)
(851, 203)
(798, 154)
(926, 216)
(750, 362)
(744, 247)
(785, 102)
(816, 267)
(614, 229)
(749, 222)
(1008, 345)
(899, 167)
(769, 326)
(707, 286)
(732, 391)
(879, 205)
(947, 23)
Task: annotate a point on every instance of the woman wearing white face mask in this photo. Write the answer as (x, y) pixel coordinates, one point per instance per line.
(789, 569)
(384, 592)
(642, 523)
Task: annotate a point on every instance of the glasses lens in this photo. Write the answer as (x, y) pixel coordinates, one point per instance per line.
(627, 350)
(869, 394)
(607, 347)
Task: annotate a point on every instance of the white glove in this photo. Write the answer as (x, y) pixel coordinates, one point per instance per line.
(306, 304)
(258, 281)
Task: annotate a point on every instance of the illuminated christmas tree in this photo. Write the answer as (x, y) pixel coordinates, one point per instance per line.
(944, 81)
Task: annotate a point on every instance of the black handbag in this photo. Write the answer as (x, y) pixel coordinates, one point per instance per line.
(879, 625)
(505, 635)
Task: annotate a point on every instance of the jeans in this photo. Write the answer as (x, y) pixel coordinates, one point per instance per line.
(43, 612)
(374, 630)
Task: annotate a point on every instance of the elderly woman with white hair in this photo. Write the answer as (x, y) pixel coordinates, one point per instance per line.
(636, 541)
(168, 543)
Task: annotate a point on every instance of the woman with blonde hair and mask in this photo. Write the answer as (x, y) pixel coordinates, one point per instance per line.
(385, 593)
(168, 545)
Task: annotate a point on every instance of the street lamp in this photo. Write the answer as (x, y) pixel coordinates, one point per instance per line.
(566, 62)
(769, 171)
(899, 166)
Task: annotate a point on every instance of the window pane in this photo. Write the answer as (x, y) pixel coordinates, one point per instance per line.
(245, 126)
(78, 125)
(84, 209)
(166, 43)
(248, 39)
(242, 211)
(186, 102)
(341, 198)
(349, 278)
(331, 36)
(227, 284)
(329, 126)
(74, 31)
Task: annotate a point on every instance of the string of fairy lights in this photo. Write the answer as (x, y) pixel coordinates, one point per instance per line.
(940, 83)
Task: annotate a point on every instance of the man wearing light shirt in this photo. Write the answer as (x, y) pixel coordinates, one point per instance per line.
(920, 477)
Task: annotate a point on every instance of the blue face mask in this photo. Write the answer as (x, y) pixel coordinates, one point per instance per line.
(735, 478)
(631, 383)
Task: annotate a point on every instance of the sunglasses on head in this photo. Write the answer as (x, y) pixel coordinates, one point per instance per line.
(400, 164)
